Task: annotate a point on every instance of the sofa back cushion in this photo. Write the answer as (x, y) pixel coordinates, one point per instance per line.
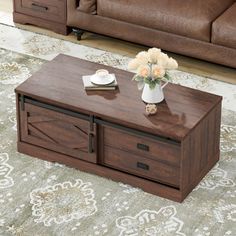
(192, 18)
(88, 6)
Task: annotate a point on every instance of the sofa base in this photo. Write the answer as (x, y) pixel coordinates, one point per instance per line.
(153, 38)
(78, 33)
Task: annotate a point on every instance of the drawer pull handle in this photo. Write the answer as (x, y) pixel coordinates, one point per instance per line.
(90, 147)
(142, 166)
(38, 7)
(143, 147)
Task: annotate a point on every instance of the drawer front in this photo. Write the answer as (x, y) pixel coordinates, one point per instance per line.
(54, 10)
(58, 132)
(140, 166)
(150, 148)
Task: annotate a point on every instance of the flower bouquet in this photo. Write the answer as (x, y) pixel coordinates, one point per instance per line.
(152, 67)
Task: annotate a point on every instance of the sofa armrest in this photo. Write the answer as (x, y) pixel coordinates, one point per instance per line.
(224, 28)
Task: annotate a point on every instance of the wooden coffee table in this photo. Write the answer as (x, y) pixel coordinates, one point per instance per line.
(108, 133)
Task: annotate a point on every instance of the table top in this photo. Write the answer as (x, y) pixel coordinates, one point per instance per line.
(59, 82)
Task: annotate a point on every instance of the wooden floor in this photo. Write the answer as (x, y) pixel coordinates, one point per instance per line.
(128, 49)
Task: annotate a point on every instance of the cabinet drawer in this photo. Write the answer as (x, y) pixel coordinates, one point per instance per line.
(58, 132)
(54, 10)
(141, 166)
(140, 145)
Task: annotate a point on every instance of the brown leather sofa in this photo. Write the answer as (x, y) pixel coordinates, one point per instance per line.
(204, 29)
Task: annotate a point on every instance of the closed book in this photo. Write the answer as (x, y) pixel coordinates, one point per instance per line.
(88, 85)
(101, 88)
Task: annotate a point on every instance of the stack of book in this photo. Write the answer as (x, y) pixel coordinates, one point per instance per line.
(88, 85)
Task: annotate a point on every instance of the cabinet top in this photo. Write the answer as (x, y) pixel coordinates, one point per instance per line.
(59, 82)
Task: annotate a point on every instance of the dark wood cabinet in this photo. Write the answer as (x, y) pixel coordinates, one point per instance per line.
(50, 14)
(167, 154)
(58, 132)
(141, 166)
(142, 156)
(150, 148)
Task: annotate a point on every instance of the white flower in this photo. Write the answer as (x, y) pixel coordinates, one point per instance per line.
(142, 54)
(137, 62)
(163, 60)
(144, 71)
(158, 71)
(143, 57)
(168, 62)
(154, 55)
(172, 64)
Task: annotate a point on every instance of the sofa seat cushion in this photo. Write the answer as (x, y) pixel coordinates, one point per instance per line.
(192, 18)
(224, 28)
(87, 6)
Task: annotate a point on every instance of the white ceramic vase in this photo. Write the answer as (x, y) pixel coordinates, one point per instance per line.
(153, 95)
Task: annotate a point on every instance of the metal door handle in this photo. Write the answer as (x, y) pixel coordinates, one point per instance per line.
(90, 147)
(143, 147)
(142, 166)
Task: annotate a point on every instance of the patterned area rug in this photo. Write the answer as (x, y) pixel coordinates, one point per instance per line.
(42, 198)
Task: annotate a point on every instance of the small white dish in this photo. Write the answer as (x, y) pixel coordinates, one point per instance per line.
(102, 77)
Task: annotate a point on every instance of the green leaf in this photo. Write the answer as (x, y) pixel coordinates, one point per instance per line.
(167, 76)
(152, 84)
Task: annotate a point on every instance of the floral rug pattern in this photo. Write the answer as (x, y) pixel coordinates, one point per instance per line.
(5, 169)
(51, 204)
(149, 222)
(43, 198)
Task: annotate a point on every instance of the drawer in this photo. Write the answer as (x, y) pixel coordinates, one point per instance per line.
(53, 10)
(58, 132)
(140, 166)
(143, 146)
